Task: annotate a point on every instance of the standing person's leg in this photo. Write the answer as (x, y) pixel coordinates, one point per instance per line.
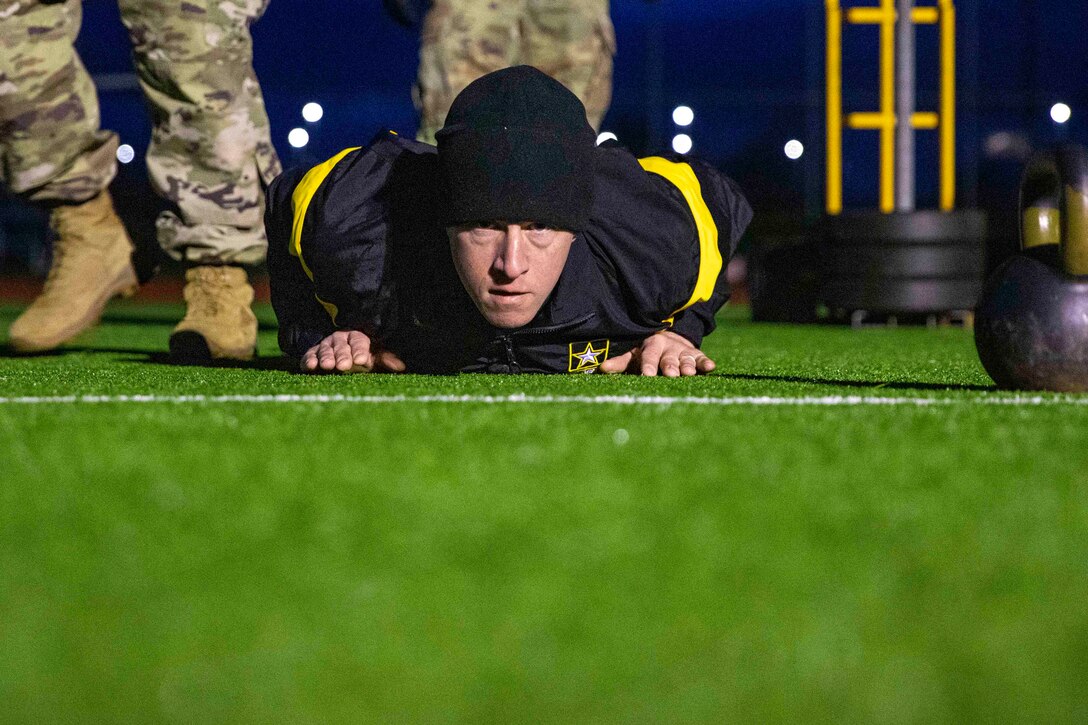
(573, 42)
(461, 41)
(210, 151)
(52, 152)
(51, 147)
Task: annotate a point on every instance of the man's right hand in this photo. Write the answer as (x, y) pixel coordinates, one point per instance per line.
(350, 351)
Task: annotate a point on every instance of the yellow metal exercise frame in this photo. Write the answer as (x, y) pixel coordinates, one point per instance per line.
(884, 120)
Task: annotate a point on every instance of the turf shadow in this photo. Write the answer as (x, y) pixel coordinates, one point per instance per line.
(279, 363)
(861, 383)
(7, 351)
(154, 358)
(122, 318)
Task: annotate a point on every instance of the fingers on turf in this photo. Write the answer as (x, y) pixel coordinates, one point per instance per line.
(326, 355)
(651, 355)
(618, 364)
(343, 351)
(388, 361)
(362, 357)
(670, 364)
(309, 359)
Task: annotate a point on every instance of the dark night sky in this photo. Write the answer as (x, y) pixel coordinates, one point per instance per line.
(751, 70)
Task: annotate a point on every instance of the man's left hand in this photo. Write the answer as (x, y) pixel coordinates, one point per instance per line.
(666, 352)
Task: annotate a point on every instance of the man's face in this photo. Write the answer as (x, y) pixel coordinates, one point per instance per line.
(509, 269)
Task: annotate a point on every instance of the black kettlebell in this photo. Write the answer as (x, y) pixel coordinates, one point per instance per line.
(1031, 324)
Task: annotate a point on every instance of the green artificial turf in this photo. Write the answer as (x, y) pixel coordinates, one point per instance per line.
(295, 562)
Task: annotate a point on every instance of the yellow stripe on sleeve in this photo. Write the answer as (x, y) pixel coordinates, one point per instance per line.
(710, 257)
(300, 203)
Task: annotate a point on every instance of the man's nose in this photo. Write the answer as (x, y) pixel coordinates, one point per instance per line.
(511, 260)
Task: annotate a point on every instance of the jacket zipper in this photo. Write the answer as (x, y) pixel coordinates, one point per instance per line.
(510, 359)
(508, 338)
(555, 328)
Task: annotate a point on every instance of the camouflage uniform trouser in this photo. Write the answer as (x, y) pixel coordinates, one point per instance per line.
(570, 40)
(210, 145)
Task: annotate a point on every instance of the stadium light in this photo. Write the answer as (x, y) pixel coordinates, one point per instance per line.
(1061, 113)
(683, 116)
(125, 153)
(298, 137)
(313, 112)
(681, 143)
(794, 149)
(606, 136)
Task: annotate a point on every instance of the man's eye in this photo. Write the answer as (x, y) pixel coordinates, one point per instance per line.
(479, 229)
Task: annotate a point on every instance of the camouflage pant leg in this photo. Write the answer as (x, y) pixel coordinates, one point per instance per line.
(461, 41)
(51, 148)
(573, 41)
(210, 144)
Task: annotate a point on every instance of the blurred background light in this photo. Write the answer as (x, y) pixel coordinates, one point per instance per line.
(683, 116)
(313, 112)
(125, 153)
(298, 137)
(1060, 112)
(794, 149)
(681, 143)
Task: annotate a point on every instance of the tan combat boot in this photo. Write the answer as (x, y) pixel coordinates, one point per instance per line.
(92, 262)
(219, 323)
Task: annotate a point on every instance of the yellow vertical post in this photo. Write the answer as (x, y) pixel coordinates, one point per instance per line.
(948, 105)
(887, 106)
(834, 107)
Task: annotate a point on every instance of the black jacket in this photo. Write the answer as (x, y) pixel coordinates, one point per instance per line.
(357, 243)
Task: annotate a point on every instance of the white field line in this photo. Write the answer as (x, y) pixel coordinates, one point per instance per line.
(828, 400)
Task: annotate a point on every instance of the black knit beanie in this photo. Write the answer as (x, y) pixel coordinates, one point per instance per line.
(517, 147)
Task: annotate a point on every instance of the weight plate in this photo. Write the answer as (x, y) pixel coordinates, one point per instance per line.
(917, 260)
(902, 295)
(917, 227)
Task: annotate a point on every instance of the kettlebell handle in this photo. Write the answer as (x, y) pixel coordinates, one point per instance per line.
(1054, 204)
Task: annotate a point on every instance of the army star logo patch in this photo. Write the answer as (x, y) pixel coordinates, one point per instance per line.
(585, 357)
